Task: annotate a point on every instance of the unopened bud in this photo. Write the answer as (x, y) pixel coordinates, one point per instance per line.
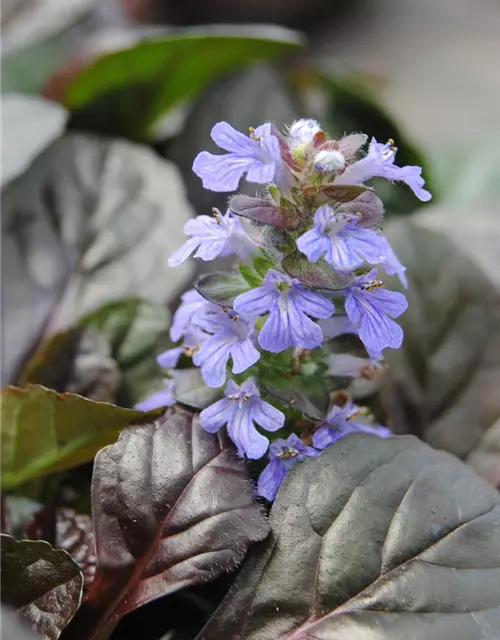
(329, 161)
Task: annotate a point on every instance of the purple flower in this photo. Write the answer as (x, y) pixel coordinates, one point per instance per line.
(160, 399)
(343, 245)
(192, 341)
(379, 162)
(231, 337)
(344, 420)
(192, 305)
(289, 305)
(240, 409)
(257, 155)
(283, 455)
(370, 308)
(221, 235)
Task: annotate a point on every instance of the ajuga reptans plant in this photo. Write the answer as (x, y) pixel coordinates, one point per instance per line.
(306, 251)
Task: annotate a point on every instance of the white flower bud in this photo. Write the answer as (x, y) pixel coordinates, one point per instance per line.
(329, 161)
(303, 131)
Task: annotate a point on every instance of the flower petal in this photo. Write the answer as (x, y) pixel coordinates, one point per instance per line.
(245, 436)
(313, 244)
(255, 302)
(276, 336)
(312, 303)
(227, 137)
(220, 173)
(157, 400)
(324, 437)
(213, 357)
(183, 253)
(217, 415)
(169, 358)
(376, 330)
(266, 416)
(270, 479)
(244, 355)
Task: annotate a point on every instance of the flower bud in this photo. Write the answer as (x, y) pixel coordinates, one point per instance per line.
(329, 161)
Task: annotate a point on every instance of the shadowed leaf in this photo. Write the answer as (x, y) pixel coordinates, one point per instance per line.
(338, 193)
(88, 223)
(374, 539)
(318, 275)
(190, 389)
(265, 212)
(221, 288)
(66, 530)
(172, 507)
(44, 431)
(42, 584)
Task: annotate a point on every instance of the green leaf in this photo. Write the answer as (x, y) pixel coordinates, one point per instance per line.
(43, 431)
(318, 275)
(140, 83)
(43, 585)
(221, 288)
(373, 539)
(250, 276)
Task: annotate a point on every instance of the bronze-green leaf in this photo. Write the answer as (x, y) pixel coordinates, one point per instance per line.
(43, 431)
(42, 584)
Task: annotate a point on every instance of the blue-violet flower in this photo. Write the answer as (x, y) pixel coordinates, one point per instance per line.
(257, 155)
(232, 336)
(370, 307)
(289, 305)
(379, 162)
(283, 455)
(341, 421)
(241, 409)
(221, 235)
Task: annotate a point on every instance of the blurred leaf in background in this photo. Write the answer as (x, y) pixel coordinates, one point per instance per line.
(447, 375)
(38, 36)
(125, 90)
(93, 220)
(29, 125)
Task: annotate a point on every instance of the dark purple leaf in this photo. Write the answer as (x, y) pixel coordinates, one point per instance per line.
(172, 507)
(265, 212)
(337, 193)
(318, 275)
(44, 585)
(370, 208)
(373, 539)
(66, 530)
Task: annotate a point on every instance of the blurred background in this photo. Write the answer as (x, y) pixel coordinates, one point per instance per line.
(105, 104)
